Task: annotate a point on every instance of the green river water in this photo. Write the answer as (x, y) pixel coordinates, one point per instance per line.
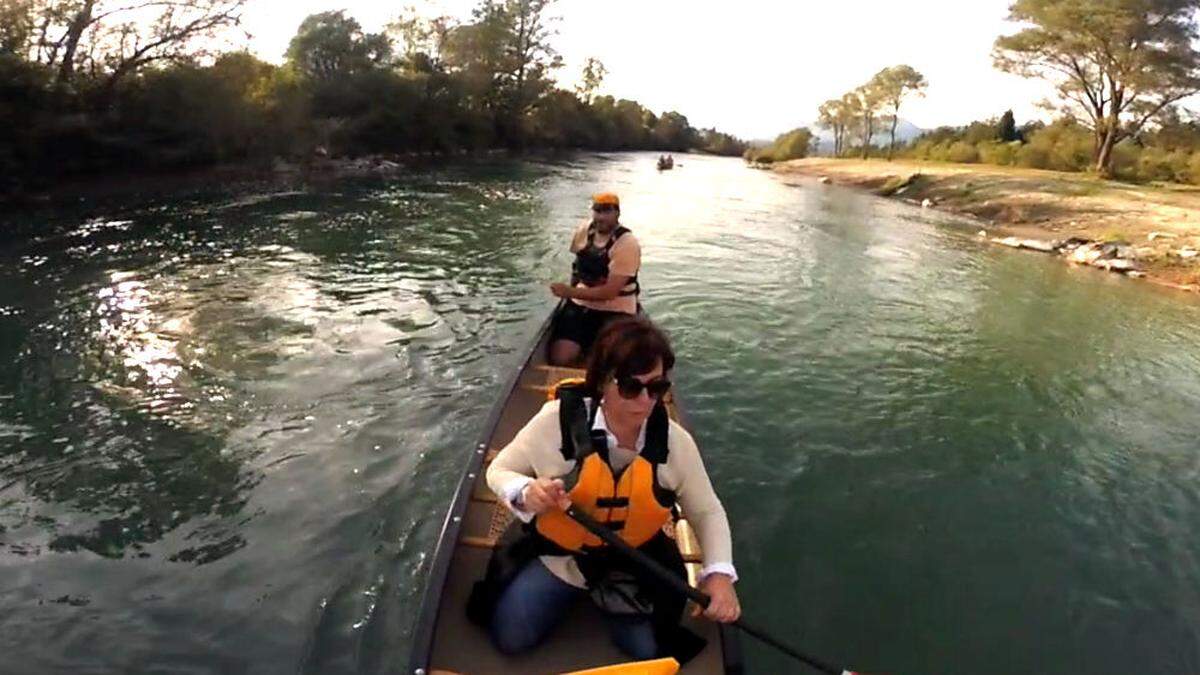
(230, 419)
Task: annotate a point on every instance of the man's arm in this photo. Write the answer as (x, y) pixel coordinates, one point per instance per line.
(611, 289)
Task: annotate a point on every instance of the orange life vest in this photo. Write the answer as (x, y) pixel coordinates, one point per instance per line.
(630, 502)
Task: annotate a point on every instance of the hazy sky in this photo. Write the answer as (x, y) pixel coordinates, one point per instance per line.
(754, 68)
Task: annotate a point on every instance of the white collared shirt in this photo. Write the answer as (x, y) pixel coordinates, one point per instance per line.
(535, 452)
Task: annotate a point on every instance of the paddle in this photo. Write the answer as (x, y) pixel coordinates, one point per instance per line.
(699, 597)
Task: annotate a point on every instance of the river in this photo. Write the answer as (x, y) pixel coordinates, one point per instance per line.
(230, 419)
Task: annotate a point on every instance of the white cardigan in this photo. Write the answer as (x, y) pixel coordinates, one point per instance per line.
(535, 453)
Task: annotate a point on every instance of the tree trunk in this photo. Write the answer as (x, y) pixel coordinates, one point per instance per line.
(868, 132)
(892, 143)
(66, 69)
(1104, 155)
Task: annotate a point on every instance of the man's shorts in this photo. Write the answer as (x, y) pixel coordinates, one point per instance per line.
(581, 324)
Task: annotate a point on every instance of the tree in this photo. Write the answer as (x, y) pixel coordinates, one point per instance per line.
(1116, 63)
(531, 57)
(421, 39)
(331, 45)
(891, 86)
(1006, 128)
(590, 81)
(672, 132)
(793, 144)
(16, 27)
(505, 58)
(717, 143)
(836, 116)
(111, 40)
(864, 103)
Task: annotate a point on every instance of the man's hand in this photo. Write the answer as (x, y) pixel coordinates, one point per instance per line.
(561, 290)
(724, 607)
(544, 494)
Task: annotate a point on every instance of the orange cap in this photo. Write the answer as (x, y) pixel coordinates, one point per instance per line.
(606, 198)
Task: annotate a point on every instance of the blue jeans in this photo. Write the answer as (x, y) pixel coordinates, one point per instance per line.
(535, 601)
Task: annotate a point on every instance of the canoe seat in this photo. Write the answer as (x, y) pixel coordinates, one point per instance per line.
(556, 373)
(501, 519)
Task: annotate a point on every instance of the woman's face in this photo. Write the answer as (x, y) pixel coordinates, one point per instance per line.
(630, 411)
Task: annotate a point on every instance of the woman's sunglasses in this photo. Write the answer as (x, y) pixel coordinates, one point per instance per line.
(631, 387)
(604, 208)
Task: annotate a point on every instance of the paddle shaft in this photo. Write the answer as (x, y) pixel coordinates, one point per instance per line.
(699, 597)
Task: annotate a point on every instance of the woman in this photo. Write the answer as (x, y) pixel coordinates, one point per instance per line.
(608, 446)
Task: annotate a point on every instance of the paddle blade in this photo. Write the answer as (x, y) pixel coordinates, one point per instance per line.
(667, 666)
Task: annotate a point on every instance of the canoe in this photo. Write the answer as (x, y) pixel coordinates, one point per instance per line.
(445, 642)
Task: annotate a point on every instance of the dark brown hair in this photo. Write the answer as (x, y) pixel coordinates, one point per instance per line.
(626, 347)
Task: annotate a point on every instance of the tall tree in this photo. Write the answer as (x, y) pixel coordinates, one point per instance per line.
(892, 86)
(16, 27)
(531, 56)
(111, 40)
(1006, 128)
(1116, 63)
(836, 117)
(420, 39)
(591, 79)
(505, 57)
(865, 103)
(331, 45)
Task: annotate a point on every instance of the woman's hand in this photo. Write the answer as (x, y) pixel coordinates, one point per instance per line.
(544, 494)
(724, 606)
(560, 290)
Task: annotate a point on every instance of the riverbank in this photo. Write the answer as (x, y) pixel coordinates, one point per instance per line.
(1143, 231)
(280, 172)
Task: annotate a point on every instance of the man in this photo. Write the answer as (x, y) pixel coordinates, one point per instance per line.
(604, 284)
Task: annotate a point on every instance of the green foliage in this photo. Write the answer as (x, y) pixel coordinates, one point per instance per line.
(16, 27)
(717, 143)
(791, 145)
(1006, 128)
(962, 152)
(1115, 63)
(892, 85)
(1064, 145)
(444, 87)
(331, 46)
(591, 79)
(998, 152)
(870, 108)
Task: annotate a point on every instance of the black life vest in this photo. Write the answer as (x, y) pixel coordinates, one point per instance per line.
(591, 262)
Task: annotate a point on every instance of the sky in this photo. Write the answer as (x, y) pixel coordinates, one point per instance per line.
(753, 68)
